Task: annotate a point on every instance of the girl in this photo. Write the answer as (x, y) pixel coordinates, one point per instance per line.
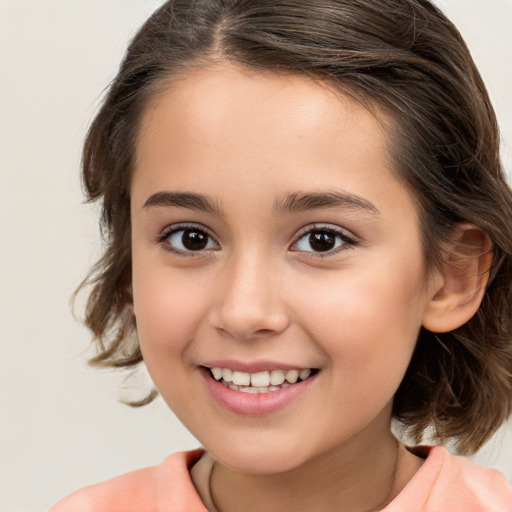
(309, 235)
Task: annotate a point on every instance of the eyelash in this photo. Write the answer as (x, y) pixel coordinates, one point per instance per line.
(163, 239)
(347, 242)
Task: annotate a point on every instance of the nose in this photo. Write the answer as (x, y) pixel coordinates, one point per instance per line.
(250, 303)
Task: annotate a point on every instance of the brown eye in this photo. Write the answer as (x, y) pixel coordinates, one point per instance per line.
(328, 240)
(186, 240)
(194, 240)
(321, 241)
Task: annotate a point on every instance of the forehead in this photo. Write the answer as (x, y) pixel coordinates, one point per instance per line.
(222, 99)
(223, 124)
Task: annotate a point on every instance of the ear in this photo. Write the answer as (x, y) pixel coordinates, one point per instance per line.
(457, 288)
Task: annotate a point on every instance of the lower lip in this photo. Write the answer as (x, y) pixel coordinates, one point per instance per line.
(254, 404)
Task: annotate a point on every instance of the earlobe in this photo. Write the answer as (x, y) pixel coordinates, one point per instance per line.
(457, 288)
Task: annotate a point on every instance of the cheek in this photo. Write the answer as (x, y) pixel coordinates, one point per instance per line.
(367, 322)
(168, 311)
(168, 308)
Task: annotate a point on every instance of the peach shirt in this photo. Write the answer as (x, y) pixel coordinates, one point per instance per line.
(445, 483)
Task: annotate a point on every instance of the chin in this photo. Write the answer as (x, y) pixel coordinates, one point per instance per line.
(253, 458)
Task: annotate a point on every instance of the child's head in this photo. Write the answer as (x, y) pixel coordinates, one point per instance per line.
(435, 129)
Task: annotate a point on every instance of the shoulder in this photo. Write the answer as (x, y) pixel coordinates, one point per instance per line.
(136, 491)
(480, 487)
(450, 483)
(120, 493)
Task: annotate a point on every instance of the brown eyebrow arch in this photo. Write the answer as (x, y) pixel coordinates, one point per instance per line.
(188, 200)
(300, 202)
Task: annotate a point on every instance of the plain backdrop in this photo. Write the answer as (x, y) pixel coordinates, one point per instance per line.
(61, 423)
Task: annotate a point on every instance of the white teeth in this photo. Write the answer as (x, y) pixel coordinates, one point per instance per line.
(276, 377)
(249, 389)
(227, 375)
(261, 389)
(292, 376)
(259, 382)
(260, 379)
(217, 373)
(304, 374)
(241, 378)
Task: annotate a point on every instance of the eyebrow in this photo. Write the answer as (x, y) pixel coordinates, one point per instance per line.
(188, 200)
(292, 203)
(300, 202)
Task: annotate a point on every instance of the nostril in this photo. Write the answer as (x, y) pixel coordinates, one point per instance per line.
(264, 332)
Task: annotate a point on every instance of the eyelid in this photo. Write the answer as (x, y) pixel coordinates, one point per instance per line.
(164, 235)
(348, 238)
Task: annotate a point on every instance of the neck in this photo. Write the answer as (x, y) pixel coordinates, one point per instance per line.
(363, 476)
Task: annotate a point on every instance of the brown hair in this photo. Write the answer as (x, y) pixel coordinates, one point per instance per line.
(405, 57)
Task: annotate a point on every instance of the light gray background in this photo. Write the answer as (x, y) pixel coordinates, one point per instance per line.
(61, 425)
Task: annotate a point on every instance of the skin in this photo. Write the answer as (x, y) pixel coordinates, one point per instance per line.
(248, 141)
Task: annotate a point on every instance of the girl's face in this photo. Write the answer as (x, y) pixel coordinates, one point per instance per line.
(269, 235)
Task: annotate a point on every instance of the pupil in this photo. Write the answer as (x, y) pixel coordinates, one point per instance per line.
(194, 240)
(321, 241)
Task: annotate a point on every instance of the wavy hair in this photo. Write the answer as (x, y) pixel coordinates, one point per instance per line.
(403, 56)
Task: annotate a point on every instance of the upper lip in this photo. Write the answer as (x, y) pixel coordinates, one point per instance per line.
(253, 366)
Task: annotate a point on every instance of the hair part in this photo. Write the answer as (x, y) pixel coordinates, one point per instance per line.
(445, 148)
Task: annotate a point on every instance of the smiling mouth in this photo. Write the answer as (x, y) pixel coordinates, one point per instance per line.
(260, 382)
